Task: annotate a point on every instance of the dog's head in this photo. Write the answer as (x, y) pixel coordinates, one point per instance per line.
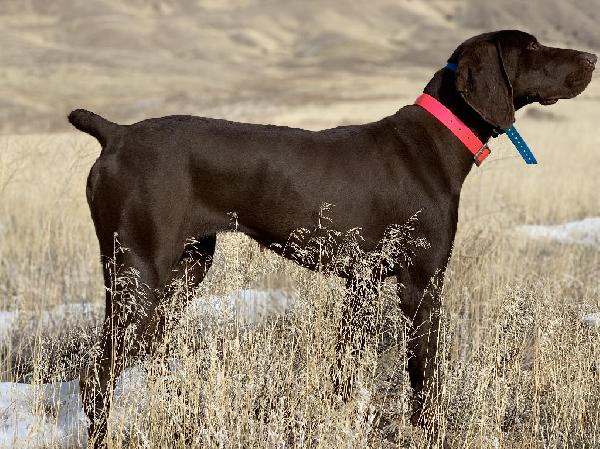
(503, 71)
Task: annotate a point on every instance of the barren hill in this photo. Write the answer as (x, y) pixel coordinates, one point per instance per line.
(131, 60)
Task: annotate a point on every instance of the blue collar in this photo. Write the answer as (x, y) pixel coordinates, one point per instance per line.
(511, 132)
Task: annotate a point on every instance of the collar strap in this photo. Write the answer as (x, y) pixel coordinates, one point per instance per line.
(452, 66)
(521, 145)
(453, 123)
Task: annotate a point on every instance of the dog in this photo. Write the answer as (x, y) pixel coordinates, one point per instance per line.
(160, 182)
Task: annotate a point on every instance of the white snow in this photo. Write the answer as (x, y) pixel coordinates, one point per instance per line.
(584, 232)
(56, 316)
(591, 320)
(249, 306)
(35, 416)
(7, 321)
(39, 416)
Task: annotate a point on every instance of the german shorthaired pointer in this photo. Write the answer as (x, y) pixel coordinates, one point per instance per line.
(163, 181)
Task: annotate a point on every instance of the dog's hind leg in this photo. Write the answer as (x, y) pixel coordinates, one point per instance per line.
(184, 280)
(134, 283)
(130, 283)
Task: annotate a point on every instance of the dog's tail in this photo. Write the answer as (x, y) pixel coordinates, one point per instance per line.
(94, 125)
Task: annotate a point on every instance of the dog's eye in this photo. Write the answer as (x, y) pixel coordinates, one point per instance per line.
(533, 46)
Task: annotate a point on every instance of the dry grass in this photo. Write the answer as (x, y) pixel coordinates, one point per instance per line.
(519, 369)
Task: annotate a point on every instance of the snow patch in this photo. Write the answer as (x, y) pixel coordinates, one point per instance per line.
(55, 317)
(585, 232)
(41, 415)
(591, 320)
(249, 306)
(51, 415)
(7, 321)
(36, 416)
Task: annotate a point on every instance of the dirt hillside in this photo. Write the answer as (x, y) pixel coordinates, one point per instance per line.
(232, 58)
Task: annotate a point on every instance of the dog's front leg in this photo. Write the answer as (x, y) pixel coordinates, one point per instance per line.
(419, 290)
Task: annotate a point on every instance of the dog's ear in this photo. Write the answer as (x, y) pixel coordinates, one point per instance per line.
(482, 81)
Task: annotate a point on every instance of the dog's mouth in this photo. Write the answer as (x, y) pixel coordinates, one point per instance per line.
(541, 100)
(575, 87)
(574, 84)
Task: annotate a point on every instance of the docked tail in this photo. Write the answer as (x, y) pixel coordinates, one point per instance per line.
(94, 125)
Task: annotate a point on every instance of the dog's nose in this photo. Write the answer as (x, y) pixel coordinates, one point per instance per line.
(589, 58)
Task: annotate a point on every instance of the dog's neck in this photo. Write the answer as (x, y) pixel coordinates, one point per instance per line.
(442, 88)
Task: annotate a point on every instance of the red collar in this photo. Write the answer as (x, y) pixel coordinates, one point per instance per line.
(453, 123)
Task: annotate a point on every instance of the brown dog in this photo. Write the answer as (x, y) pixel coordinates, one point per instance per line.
(160, 182)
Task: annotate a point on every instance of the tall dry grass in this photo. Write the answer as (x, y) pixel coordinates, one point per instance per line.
(520, 371)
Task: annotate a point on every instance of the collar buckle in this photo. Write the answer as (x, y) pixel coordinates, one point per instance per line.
(481, 154)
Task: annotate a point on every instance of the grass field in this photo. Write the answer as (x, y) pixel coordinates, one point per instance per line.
(520, 370)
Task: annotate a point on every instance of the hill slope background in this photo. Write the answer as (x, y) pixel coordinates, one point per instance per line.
(251, 60)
